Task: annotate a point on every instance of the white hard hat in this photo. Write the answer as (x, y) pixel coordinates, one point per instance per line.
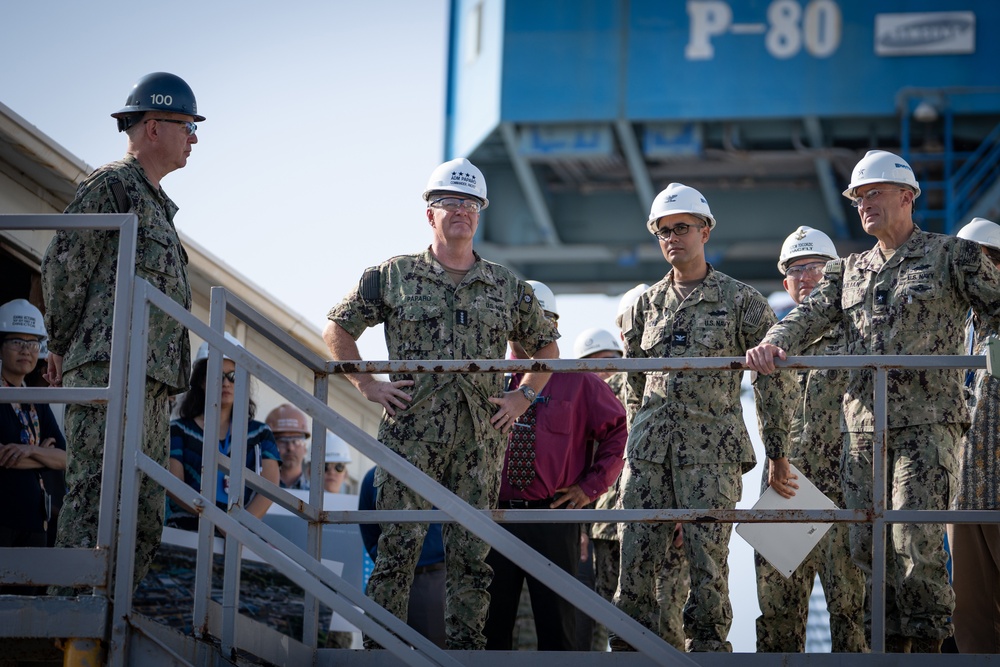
(628, 300)
(678, 198)
(203, 348)
(805, 242)
(19, 316)
(982, 231)
(458, 175)
(544, 296)
(337, 450)
(593, 341)
(881, 167)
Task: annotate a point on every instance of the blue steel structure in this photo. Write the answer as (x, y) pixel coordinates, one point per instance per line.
(580, 111)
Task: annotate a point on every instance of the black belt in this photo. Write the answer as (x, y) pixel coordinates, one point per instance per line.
(433, 567)
(518, 504)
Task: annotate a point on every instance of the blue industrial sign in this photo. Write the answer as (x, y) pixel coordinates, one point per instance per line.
(645, 60)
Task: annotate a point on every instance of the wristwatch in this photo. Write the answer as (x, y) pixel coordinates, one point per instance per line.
(528, 392)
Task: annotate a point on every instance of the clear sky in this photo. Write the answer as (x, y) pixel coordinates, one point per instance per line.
(324, 120)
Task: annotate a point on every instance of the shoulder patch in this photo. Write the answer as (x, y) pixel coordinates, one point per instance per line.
(122, 202)
(370, 285)
(834, 267)
(525, 296)
(754, 314)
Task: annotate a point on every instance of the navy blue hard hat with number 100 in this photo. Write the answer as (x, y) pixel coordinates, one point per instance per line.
(159, 91)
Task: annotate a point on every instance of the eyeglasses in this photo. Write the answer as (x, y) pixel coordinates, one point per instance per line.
(231, 376)
(452, 204)
(859, 201)
(339, 467)
(23, 345)
(813, 269)
(289, 439)
(188, 125)
(681, 229)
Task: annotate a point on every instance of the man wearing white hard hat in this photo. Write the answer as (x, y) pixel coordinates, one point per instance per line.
(443, 303)
(908, 295)
(688, 446)
(975, 547)
(815, 450)
(564, 452)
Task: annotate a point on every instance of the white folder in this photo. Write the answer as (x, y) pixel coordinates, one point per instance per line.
(786, 545)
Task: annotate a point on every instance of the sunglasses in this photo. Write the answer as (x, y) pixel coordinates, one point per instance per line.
(339, 467)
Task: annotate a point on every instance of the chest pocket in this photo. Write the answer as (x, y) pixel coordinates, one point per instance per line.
(419, 330)
(159, 254)
(917, 301)
(710, 340)
(494, 316)
(656, 341)
(853, 297)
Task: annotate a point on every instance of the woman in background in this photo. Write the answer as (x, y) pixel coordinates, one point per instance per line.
(187, 434)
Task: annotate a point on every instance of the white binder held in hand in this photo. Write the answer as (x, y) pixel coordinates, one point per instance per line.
(786, 545)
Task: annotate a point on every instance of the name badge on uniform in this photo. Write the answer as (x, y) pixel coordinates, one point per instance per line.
(881, 297)
(679, 338)
(461, 317)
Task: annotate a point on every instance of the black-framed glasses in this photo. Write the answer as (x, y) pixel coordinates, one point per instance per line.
(338, 466)
(23, 344)
(231, 376)
(191, 127)
(871, 195)
(452, 204)
(814, 269)
(680, 229)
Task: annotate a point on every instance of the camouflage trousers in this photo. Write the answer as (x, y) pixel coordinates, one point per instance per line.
(471, 470)
(921, 470)
(85, 427)
(672, 586)
(784, 603)
(606, 559)
(708, 613)
(673, 583)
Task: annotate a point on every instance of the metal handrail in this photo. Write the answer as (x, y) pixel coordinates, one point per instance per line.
(476, 520)
(244, 529)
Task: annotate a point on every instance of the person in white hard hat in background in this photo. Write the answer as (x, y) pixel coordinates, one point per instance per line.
(79, 271)
(290, 427)
(187, 437)
(338, 455)
(815, 449)
(908, 295)
(975, 547)
(30, 440)
(563, 452)
(688, 446)
(443, 303)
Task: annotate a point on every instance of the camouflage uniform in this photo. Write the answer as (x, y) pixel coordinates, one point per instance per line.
(913, 303)
(672, 582)
(975, 548)
(816, 451)
(445, 431)
(78, 280)
(688, 446)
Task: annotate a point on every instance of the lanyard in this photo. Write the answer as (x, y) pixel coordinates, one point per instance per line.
(29, 420)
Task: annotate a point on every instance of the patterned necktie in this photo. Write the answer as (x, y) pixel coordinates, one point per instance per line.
(521, 461)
